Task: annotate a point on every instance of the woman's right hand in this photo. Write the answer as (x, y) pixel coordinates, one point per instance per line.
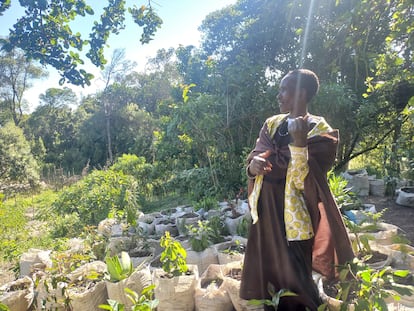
(259, 165)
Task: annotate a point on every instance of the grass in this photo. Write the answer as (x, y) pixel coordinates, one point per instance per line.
(17, 226)
(21, 229)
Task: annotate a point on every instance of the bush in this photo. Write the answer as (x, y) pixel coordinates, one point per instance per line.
(99, 195)
(130, 164)
(196, 183)
(68, 226)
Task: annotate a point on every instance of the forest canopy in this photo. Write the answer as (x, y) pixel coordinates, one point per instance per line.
(194, 114)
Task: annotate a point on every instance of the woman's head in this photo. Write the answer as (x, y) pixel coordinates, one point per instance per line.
(296, 89)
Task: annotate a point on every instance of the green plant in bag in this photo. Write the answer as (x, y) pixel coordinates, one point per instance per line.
(140, 302)
(113, 305)
(368, 288)
(200, 236)
(143, 302)
(173, 258)
(274, 302)
(119, 268)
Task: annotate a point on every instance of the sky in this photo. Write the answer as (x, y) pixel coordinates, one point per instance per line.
(181, 19)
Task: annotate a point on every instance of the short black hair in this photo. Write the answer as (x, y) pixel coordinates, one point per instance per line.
(306, 79)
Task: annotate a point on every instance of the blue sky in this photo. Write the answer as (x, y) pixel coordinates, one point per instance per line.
(181, 19)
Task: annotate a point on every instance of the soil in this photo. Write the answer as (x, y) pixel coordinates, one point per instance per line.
(401, 216)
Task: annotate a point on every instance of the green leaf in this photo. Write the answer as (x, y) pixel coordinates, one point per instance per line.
(255, 302)
(3, 307)
(401, 273)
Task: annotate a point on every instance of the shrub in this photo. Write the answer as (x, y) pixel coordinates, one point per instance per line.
(68, 226)
(99, 195)
(344, 197)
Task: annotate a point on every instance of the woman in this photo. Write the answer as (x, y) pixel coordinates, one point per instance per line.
(297, 226)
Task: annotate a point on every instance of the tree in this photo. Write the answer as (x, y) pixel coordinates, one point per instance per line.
(45, 33)
(56, 126)
(18, 166)
(117, 68)
(252, 42)
(16, 72)
(55, 97)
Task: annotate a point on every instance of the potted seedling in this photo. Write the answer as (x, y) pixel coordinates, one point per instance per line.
(230, 251)
(175, 282)
(73, 282)
(361, 287)
(275, 297)
(200, 239)
(140, 302)
(121, 275)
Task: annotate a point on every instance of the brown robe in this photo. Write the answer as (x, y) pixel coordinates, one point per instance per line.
(269, 257)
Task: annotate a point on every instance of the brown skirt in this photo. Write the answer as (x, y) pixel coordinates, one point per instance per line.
(270, 258)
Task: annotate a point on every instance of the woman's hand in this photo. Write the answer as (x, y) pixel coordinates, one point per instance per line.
(259, 165)
(298, 129)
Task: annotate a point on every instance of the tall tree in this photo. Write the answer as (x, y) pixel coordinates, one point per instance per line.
(45, 33)
(18, 166)
(16, 74)
(113, 72)
(54, 123)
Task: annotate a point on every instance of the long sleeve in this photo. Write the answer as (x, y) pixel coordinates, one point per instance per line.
(297, 219)
(299, 166)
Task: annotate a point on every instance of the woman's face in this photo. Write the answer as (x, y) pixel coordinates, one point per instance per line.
(286, 96)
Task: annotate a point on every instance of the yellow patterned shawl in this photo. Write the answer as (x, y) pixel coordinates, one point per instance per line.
(297, 219)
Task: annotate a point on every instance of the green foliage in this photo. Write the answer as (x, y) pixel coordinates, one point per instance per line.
(275, 300)
(99, 195)
(62, 48)
(119, 268)
(343, 196)
(57, 282)
(243, 228)
(207, 204)
(113, 305)
(361, 231)
(16, 236)
(16, 74)
(194, 182)
(19, 169)
(145, 174)
(68, 225)
(200, 235)
(361, 243)
(3, 307)
(370, 287)
(218, 229)
(143, 302)
(12, 224)
(173, 257)
(54, 129)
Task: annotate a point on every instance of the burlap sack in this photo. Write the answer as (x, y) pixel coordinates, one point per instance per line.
(232, 276)
(210, 294)
(17, 295)
(202, 259)
(91, 297)
(175, 293)
(136, 282)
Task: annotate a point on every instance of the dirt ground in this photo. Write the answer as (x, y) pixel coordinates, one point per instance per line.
(395, 214)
